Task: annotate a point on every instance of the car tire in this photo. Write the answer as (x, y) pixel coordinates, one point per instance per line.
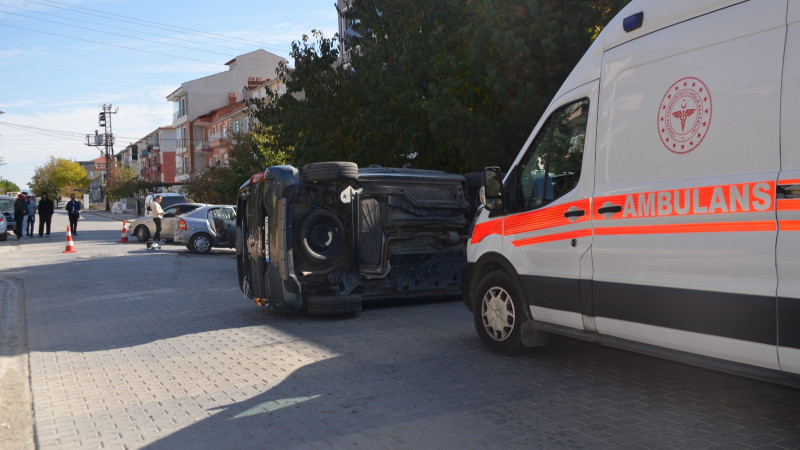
(200, 243)
(333, 305)
(322, 235)
(330, 171)
(142, 233)
(498, 313)
(4, 236)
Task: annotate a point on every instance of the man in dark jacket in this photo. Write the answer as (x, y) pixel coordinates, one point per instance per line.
(20, 209)
(73, 210)
(46, 210)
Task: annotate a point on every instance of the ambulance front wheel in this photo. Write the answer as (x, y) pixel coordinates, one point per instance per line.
(499, 314)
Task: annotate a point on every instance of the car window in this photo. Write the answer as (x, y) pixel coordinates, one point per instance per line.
(227, 214)
(553, 163)
(171, 211)
(186, 208)
(6, 204)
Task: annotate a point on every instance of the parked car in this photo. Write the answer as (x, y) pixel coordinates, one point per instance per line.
(3, 228)
(7, 208)
(167, 199)
(331, 236)
(206, 227)
(144, 227)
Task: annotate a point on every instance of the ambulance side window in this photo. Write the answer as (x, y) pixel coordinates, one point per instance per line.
(552, 166)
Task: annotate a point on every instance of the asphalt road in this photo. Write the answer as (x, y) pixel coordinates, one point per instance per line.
(127, 348)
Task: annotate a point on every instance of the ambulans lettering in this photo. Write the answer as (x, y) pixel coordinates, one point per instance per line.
(735, 198)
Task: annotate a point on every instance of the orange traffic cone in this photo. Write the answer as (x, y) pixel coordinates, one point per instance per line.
(124, 238)
(70, 246)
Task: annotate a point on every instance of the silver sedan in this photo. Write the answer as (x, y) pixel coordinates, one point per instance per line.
(206, 227)
(144, 227)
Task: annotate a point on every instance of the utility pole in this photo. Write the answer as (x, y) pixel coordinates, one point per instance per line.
(106, 140)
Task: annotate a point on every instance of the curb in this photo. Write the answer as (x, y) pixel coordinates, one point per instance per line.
(16, 401)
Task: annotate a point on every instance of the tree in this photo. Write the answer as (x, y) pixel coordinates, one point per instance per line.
(123, 183)
(248, 153)
(59, 177)
(8, 186)
(442, 84)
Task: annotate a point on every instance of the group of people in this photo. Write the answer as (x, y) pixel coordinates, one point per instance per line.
(25, 209)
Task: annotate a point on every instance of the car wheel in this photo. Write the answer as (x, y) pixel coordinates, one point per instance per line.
(4, 236)
(330, 171)
(142, 233)
(321, 235)
(499, 314)
(200, 243)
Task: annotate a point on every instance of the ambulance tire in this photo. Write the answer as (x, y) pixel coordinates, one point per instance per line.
(330, 171)
(498, 313)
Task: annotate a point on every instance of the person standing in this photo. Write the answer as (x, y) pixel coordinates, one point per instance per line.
(31, 221)
(73, 211)
(158, 213)
(20, 209)
(46, 210)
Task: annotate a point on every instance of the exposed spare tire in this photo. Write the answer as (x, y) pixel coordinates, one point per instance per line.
(322, 235)
(330, 171)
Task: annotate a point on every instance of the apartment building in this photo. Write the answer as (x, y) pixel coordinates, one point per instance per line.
(197, 98)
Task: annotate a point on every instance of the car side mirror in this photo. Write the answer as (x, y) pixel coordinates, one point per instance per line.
(492, 189)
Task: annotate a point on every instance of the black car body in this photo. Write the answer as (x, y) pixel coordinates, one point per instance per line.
(331, 236)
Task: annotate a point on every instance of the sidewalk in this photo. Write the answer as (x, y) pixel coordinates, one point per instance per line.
(109, 215)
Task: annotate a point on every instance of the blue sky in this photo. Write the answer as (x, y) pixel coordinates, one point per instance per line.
(61, 60)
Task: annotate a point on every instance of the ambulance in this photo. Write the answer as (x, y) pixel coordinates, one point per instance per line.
(656, 204)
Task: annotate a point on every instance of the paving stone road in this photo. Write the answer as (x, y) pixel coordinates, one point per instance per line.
(136, 349)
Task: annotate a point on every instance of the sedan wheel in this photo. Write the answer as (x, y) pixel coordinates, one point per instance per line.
(200, 243)
(142, 233)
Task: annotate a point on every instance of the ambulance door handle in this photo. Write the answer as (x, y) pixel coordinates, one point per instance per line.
(612, 209)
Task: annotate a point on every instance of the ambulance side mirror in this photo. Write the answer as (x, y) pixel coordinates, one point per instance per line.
(492, 189)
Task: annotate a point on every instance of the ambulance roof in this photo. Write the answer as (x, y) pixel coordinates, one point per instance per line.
(657, 14)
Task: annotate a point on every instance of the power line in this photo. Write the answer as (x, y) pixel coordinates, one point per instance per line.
(235, 49)
(63, 135)
(163, 26)
(118, 34)
(112, 45)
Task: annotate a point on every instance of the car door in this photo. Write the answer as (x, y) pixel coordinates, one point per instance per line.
(788, 201)
(169, 223)
(547, 236)
(687, 158)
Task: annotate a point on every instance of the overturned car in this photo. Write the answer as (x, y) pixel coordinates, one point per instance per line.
(331, 236)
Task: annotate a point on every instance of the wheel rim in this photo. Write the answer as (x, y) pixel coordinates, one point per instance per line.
(142, 234)
(497, 313)
(201, 244)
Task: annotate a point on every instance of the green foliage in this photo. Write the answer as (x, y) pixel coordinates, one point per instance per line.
(248, 154)
(123, 183)
(59, 177)
(8, 186)
(443, 84)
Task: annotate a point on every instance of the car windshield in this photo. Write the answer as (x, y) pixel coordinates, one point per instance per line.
(6, 204)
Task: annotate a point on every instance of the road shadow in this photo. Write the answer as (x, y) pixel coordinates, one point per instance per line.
(442, 389)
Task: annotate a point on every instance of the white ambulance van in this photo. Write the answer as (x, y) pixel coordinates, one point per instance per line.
(656, 204)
